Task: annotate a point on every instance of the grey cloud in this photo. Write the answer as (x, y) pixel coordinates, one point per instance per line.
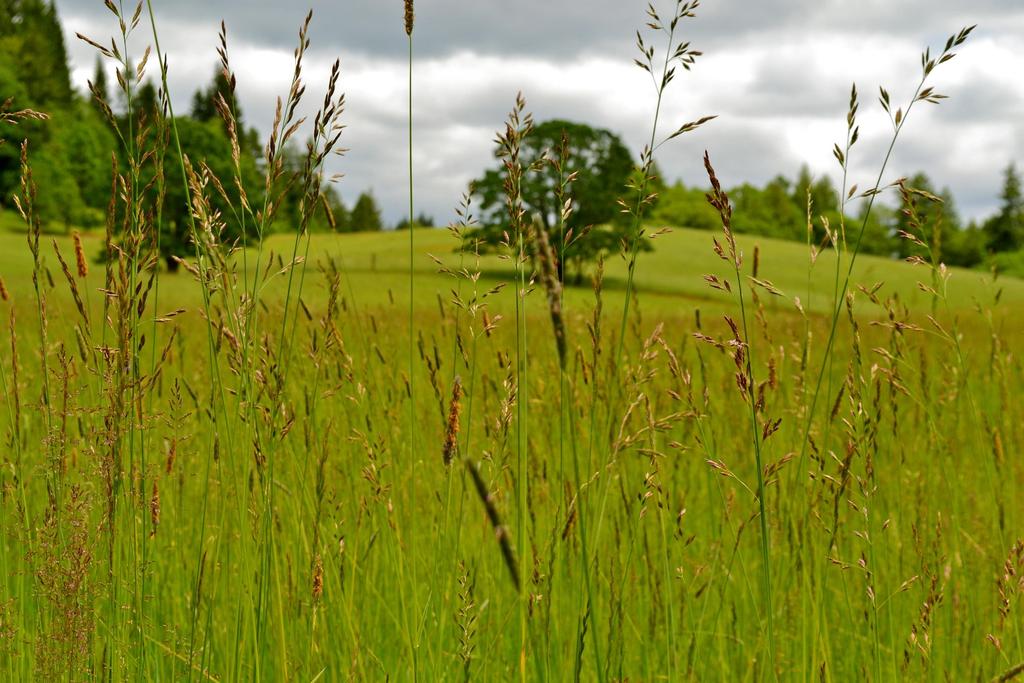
(378, 163)
(984, 99)
(786, 87)
(565, 28)
(529, 27)
(973, 175)
(739, 150)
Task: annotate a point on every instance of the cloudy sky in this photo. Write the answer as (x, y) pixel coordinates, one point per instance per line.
(776, 72)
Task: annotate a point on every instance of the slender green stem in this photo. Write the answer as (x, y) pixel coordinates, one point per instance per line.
(220, 416)
(411, 538)
(755, 435)
(838, 303)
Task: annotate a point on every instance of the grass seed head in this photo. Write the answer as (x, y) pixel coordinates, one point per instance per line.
(154, 508)
(410, 17)
(80, 260)
(451, 439)
(318, 579)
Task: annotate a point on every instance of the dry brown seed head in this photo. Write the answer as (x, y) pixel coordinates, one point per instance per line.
(154, 507)
(410, 17)
(318, 578)
(4, 294)
(80, 260)
(172, 454)
(451, 439)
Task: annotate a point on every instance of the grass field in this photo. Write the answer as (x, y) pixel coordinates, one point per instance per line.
(297, 538)
(671, 280)
(374, 457)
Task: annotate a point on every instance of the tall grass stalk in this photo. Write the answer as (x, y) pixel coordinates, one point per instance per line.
(221, 422)
(839, 243)
(749, 390)
(898, 119)
(676, 54)
(409, 20)
(518, 128)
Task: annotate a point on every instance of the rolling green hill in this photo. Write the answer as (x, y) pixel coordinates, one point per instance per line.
(670, 278)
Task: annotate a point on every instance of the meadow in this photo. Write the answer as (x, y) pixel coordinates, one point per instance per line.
(325, 457)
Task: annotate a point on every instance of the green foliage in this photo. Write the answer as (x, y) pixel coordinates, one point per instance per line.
(824, 206)
(11, 85)
(934, 220)
(59, 203)
(340, 218)
(1005, 230)
(1009, 263)
(146, 104)
(366, 215)
(205, 142)
(14, 89)
(686, 207)
(824, 199)
(89, 141)
(204, 109)
(70, 153)
(777, 210)
(964, 247)
(600, 167)
(769, 211)
(932, 217)
(289, 215)
(422, 221)
(70, 159)
(204, 101)
(32, 44)
(878, 236)
(99, 89)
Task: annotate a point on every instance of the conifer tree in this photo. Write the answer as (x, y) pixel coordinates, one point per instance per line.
(32, 40)
(365, 214)
(1005, 230)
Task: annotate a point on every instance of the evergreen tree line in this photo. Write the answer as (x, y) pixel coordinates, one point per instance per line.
(71, 152)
